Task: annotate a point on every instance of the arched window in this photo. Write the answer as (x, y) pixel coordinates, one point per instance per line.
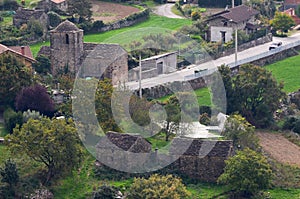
(67, 39)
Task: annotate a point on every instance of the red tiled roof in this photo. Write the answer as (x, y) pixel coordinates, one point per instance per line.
(240, 13)
(292, 2)
(27, 53)
(58, 1)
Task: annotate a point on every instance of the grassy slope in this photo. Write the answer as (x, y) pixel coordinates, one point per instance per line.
(124, 36)
(287, 71)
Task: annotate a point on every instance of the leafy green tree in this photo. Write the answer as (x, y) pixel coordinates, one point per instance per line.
(12, 119)
(14, 75)
(282, 22)
(81, 8)
(54, 143)
(247, 173)
(254, 93)
(157, 186)
(173, 117)
(104, 113)
(241, 132)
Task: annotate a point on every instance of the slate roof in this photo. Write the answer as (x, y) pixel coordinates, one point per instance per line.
(240, 13)
(66, 26)
(26, 14)
(237, 14)
(126, 142)
(4, 48)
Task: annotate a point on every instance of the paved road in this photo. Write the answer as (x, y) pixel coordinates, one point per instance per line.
(179, 75)
(165, 10)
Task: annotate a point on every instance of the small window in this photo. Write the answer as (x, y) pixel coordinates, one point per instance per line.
(225, 23)
(67, 39)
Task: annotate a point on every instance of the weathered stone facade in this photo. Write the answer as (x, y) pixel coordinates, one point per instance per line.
(66, 46)
(69, 54)
(196, 158)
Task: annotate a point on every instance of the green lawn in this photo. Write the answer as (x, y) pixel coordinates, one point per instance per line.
(203, 97)
(288, 71)
(124, 36)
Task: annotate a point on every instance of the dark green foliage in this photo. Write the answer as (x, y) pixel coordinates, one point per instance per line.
(14, 75)
(12, 119)
(289, 123)
(297, 127)
(80, 8)
(43, 65)
(54, 19)
(105, 192)
(298, 11)
(35, 27)
(9, 173)
(9, 5)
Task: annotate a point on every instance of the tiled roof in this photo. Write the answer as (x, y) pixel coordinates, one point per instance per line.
(66, 26)
(29, 56)
(58, 1)
(239, 13)
(292, 2)
(27, 51)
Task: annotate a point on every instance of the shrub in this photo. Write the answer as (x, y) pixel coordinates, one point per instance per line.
(9, 5)
(11, 119)
(157, 186)
(247, 173)
(106, 192)
(54, 19)
(195, 15)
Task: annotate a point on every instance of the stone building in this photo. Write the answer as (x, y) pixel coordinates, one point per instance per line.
(23, 15)
(223, 24)
(155, 65)
(69, 54)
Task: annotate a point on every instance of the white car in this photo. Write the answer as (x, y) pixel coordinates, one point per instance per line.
(275, 45)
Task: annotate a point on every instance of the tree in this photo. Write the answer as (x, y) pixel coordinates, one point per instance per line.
(247, 173)
(81, 8)
(14, 75)
(43, 65)
(12, 119)
(104, 113)
(254, 93)
(241, 132)
(173, 117)
(282, 22)
(35, 98)
(157, 186)
(54, 143)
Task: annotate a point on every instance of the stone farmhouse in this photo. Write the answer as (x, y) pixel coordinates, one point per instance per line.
(69, 54)
(21, 53)
(223, 24)
(202, 159)
(23, 15)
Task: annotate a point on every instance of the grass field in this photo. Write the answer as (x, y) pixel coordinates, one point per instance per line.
(155, 24)
(288, 71)
(203, 97)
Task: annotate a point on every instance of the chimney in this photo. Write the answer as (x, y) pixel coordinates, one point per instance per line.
(232, 3)
(22, 50)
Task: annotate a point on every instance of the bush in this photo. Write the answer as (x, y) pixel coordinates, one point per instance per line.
(289, 123)
(296, 128)
(11, 119)
(9, 5)
(54, 19)
(247, 173)
(157, 186)
(106, 192)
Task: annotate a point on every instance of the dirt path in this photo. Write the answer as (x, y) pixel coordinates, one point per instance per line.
(280, 148)
(108, 12)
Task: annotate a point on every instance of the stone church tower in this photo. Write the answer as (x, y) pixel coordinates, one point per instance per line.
(66, 46)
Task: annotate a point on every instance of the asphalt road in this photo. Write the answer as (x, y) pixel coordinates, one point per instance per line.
(180, 74)
(165, 10)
